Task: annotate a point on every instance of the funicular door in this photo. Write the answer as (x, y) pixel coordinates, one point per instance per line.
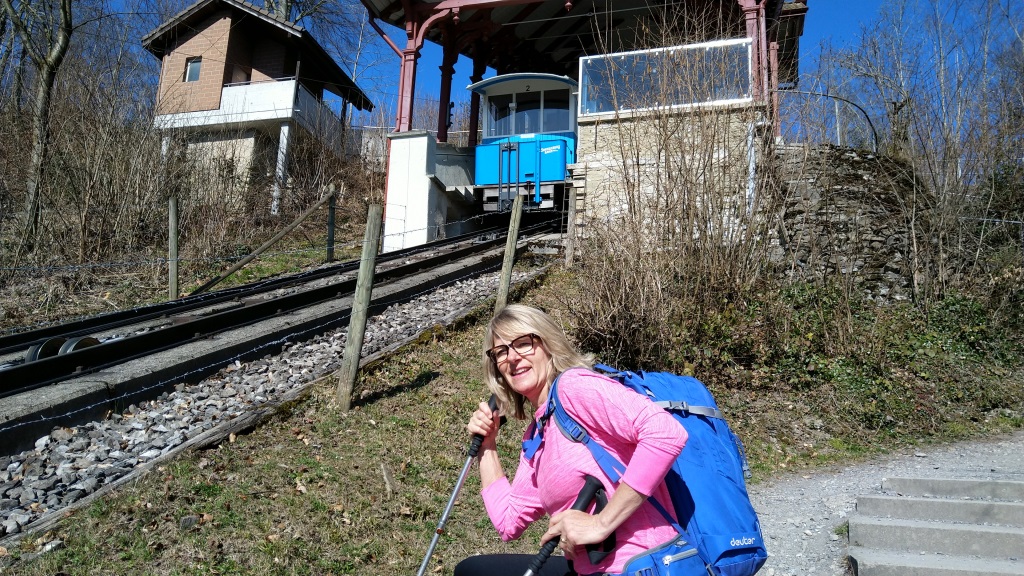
(508, 175)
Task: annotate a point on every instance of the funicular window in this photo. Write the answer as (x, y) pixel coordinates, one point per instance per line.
(556, 111)
(527, 112)
(714, 72)
(501, 115)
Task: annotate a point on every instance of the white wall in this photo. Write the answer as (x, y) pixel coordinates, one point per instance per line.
(413, 207)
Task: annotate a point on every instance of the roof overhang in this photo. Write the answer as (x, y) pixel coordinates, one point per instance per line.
(551, 35)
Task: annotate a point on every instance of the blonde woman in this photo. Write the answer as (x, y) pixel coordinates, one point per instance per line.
(524, 351)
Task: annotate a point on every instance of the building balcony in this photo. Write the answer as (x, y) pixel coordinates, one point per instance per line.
(255, 104)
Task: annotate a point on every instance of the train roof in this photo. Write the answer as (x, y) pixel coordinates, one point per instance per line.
(510, 83)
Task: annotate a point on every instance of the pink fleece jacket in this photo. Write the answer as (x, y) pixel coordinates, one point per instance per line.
(631, 428)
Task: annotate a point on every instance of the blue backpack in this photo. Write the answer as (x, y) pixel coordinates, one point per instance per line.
(709, 495)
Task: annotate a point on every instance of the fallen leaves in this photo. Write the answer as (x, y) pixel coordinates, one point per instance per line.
(301, 436)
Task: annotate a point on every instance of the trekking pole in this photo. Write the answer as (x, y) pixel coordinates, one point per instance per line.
(474, 447)
(587, 494)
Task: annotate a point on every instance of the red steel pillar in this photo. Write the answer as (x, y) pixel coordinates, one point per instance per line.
(416, 27)
(773, 85)
(447, 67)
(753, 12)
(479, 67)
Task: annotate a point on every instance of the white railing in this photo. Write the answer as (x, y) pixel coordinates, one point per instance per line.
(319, 120)
(267, 101)
(239, 103)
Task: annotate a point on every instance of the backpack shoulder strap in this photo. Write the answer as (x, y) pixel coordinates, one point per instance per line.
(608, 463)
(612, 468)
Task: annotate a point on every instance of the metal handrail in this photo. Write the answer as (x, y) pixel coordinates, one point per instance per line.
(874, 133)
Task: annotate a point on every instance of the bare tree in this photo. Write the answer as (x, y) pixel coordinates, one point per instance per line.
(678, 218)
(47, 51)
(927, 71)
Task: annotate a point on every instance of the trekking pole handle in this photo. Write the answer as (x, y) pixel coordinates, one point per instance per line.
(474, 446)
(587, 494)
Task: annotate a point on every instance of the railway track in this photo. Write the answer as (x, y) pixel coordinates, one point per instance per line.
(138, 354)
(59, 339)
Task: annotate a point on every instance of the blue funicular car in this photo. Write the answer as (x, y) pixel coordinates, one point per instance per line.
(529, 139)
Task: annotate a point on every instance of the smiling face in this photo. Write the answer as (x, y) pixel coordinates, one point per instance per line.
(528, 372)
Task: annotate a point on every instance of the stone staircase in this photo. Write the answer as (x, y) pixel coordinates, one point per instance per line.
(937, 527)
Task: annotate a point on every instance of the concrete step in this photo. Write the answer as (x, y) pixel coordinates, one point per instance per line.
(897, 534)
(868, 562)
(943, 510)
(948, 488)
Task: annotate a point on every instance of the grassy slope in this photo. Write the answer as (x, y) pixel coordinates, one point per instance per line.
(318, 492)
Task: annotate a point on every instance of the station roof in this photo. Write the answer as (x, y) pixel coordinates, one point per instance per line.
(551, 79)
(551, 35)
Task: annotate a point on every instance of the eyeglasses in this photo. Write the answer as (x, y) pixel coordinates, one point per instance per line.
(522, 345)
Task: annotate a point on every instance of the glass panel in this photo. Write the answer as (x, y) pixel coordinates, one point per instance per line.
(192, 67)
(595, 86)
(556, 111)
(637, 81)
(665, 77)
(500, 115)
(527, 112)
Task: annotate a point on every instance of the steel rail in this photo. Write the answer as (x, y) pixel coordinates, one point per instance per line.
(32, 375)
(14, 343)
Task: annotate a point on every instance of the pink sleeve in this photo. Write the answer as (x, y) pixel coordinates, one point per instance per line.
(647, 438)
(513, 507)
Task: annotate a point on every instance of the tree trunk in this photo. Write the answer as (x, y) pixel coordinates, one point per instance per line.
(40, 139)
(47, 63)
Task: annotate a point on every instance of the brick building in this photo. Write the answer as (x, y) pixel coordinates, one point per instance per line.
(235, 81)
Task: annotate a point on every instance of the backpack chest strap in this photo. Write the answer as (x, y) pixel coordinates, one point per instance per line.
(680, 406)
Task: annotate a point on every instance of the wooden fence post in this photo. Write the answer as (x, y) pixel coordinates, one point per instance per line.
(172, 248)
(360, 304)
(330, 222)
(570, 230)
(510, 254)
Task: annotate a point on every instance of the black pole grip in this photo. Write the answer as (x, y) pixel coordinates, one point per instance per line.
(590, 487)
(474, 446)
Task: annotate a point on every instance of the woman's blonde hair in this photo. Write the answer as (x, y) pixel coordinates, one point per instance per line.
(516, 320)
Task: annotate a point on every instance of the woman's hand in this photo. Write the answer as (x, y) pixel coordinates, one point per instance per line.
(485, 422)
(579, 528)
(576, 529)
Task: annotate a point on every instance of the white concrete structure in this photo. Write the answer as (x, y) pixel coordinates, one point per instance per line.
(420, 206)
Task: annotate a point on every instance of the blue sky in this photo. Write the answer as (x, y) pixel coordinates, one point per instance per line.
(836, 20)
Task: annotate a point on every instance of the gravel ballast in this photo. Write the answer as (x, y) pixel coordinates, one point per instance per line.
(69, 464)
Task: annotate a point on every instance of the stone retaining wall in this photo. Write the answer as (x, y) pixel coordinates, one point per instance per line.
(849, 212)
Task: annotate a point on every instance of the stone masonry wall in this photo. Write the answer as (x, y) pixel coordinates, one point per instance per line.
(846, 212)
(674, 162)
